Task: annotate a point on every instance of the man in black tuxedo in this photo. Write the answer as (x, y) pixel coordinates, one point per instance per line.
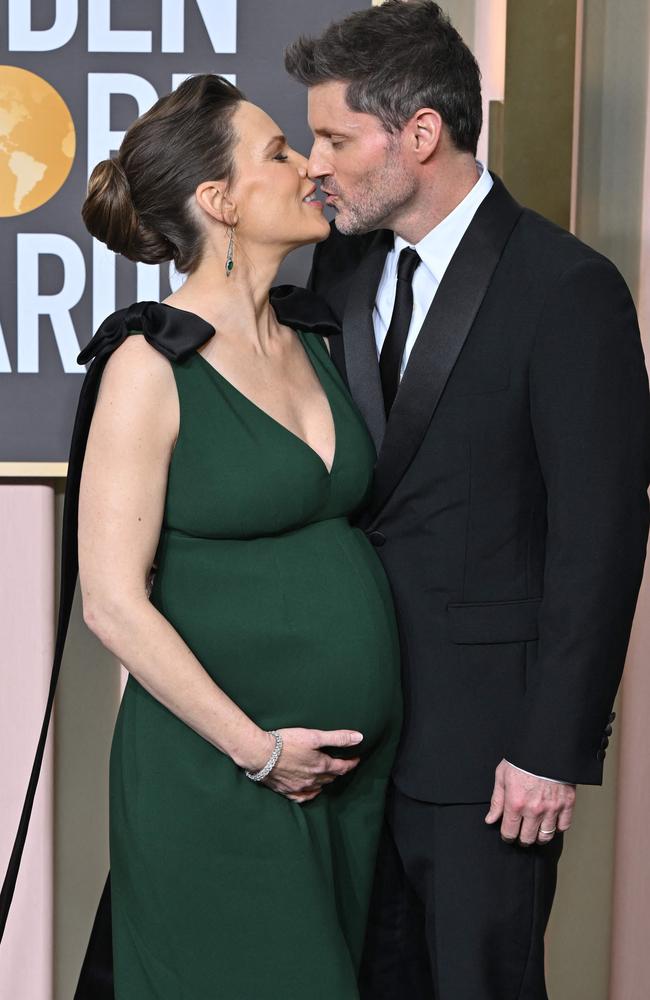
(497, 362)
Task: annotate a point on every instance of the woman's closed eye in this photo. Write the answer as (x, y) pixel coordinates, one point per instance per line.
(282, 157)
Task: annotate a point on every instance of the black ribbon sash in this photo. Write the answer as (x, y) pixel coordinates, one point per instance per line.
(176, 334)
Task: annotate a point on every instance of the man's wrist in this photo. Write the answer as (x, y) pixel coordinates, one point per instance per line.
(556, 781)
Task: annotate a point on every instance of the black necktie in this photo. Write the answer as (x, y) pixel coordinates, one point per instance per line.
(390, 359)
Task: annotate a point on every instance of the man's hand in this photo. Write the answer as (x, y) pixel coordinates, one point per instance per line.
(531, 809)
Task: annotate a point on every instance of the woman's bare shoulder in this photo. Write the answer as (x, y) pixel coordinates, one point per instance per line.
(137, 358)
(138, 386)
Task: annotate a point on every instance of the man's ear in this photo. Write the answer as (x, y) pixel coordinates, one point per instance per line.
(212, 198)
(423, 132)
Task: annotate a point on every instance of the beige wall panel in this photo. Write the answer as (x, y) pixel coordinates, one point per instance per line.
(631, 920)
(578, 938)
(630, 956)
(86, 706)
(612, 132)
(539, 102)
(462, 14)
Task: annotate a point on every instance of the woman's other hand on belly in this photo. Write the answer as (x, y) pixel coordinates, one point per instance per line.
(303, 769)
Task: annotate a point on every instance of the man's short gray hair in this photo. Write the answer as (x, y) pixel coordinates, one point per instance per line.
(395, 59)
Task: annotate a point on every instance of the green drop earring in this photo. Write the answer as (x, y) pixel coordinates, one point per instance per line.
(230, 255)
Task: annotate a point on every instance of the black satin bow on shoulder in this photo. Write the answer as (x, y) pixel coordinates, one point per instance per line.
(303, 310)
(176, 334)
(173, 332)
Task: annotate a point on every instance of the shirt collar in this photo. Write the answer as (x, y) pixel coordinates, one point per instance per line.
(439, 245)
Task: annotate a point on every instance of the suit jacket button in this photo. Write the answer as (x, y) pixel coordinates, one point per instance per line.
(377, 538)
(604, 743)
(608, 730)
(612, 717)
(601, 755)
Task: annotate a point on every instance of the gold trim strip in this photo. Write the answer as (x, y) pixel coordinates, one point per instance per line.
(33, 470)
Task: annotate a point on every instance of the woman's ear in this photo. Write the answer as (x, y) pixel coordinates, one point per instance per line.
(213, 199)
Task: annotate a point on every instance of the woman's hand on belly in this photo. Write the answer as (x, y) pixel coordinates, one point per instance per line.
(303, 769)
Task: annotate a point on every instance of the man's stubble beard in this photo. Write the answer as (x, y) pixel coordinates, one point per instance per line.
(385, 191)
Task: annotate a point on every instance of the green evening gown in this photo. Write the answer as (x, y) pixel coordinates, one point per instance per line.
(221, 888)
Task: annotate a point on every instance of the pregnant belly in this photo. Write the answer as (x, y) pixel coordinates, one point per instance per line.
(298, 630)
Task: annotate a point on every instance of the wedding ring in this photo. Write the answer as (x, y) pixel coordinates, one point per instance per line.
(548, 832)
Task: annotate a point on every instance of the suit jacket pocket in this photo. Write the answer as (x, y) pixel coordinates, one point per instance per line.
(494, 621)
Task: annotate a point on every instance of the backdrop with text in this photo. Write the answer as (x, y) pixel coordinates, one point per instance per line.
(73, 76)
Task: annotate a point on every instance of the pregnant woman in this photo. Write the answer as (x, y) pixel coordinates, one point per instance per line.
(259, 722)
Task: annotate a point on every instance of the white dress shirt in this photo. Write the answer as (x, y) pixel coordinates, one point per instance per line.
(436, 250)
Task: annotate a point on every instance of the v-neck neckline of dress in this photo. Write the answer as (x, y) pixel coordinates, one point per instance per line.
(260, 409)
(274, 420)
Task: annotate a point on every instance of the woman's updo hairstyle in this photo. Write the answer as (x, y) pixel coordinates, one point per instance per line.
(140, 203)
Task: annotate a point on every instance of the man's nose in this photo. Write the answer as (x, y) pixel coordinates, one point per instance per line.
(317, 165)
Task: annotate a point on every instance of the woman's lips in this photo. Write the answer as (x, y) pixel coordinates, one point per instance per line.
(311, 198)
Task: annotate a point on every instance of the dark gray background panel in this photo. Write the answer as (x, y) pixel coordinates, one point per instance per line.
(37, 409)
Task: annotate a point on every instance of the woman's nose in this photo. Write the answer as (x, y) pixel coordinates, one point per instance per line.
(316, 166)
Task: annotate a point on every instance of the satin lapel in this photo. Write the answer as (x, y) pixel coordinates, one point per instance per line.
(360, 349)
(442, 337)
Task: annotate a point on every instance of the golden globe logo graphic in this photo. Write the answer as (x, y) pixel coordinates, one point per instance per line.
(37, 141)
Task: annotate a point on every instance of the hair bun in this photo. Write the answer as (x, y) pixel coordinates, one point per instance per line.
(110, 215)
(141, 204)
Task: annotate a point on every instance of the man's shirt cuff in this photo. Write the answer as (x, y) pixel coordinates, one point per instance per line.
(556, 781)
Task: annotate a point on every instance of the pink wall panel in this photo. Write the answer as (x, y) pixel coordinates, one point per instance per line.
(26, 650)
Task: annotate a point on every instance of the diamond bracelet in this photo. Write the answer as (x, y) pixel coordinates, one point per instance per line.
(271, 762)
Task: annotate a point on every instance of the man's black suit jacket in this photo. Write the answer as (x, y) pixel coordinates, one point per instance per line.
(510, 505)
